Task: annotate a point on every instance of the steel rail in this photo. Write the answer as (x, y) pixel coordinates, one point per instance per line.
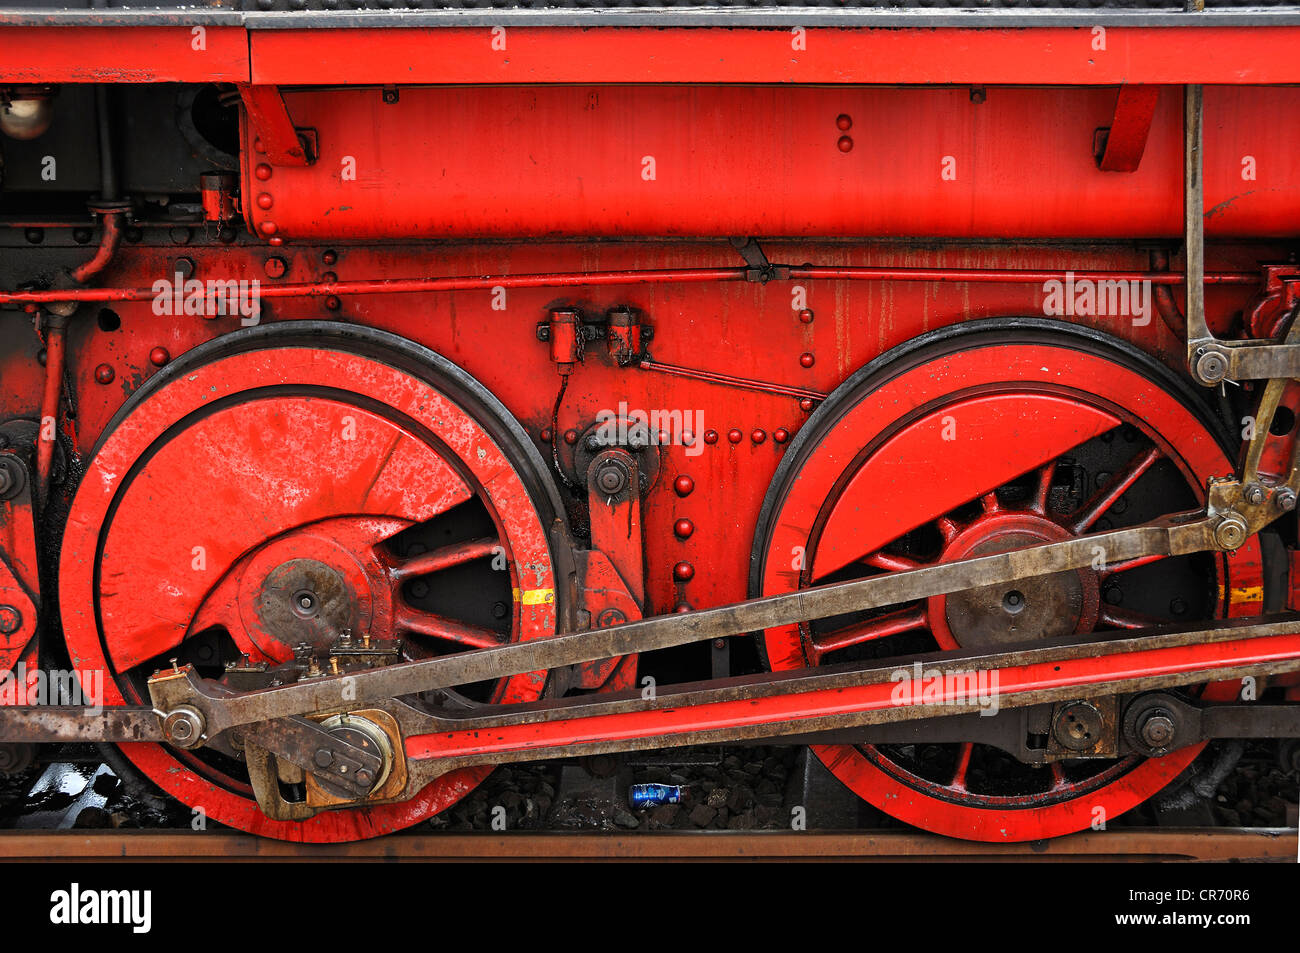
(1116, 844)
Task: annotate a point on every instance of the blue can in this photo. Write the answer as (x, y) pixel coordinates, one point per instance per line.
(652, 795)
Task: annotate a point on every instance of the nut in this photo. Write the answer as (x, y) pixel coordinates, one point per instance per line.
(1157, 730)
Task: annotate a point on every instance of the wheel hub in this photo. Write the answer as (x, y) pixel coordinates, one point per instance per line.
(1032, 609)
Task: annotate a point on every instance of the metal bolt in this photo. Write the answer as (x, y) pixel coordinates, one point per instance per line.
(610, 617)
(6, 481)
(1255, 494)
(1231, 532)
(1157, 730)
(1284, 499)
(323, 757)
(183, 727)
(1211, 367)
(11, 620)
(365, 777)
(611, 478)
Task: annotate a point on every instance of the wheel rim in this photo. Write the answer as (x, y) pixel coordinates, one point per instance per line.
(948, 499)
(346, 464)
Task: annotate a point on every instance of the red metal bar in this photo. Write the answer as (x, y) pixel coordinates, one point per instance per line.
(275, 138)
(1126, 140)
(48, 432)
(1199, 54)
(880, 696)
(633, 277)
(133, 54)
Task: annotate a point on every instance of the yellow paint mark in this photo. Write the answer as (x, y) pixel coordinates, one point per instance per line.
(1239, 594)
(534, 597)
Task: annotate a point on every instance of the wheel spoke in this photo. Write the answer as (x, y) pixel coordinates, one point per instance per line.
(1125, 565)
(440, 627)
(445, 557)
(1112, 491)
(947, 528)
(888, 561)
(1128, 618)
(891, 623)
(1044, 488)
(963, 766)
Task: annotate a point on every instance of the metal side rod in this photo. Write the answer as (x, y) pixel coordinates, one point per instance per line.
(854, 696)
(219, 711)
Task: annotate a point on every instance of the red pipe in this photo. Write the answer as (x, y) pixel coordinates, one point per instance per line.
(48, 432)
(994, 275)
(108, 243)
(55, 330)
(730, 381)
(1164, 298)
(683, 275)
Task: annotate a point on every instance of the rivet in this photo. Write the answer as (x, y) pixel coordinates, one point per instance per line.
(104, 374)
(545, 435)
(734, 435)
(844, 122)
(683, 571)
(683, 485)
(806, 359)
(806, 316)
(257, 145)
(780, 435)
(710, 436)
(683, 607)
(758, 435)
(806, 404)
(845, 144)
(275, 242)
(570, 437)
(683, 528)
(264, 200)
(262, 171)
(329, 278)
(332, 303)
(275, 267)
(159, 356)
(268, 228)
(329, 256)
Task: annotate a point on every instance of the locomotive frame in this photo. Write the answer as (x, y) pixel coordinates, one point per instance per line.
(389, 239)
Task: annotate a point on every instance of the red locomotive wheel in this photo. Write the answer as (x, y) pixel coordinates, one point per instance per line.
(977, 440)
(280, 485)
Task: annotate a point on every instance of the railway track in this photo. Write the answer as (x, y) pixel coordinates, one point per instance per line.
(1133, 845)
